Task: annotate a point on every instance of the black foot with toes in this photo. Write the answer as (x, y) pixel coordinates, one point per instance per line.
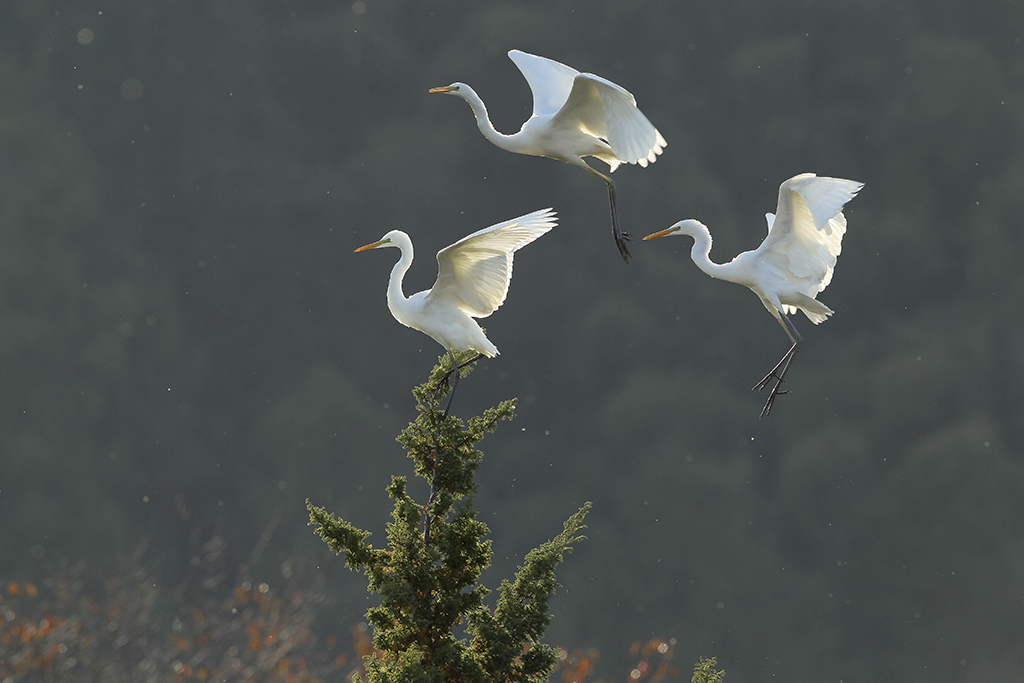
(771, 397)
(778, 374)
(620, 242)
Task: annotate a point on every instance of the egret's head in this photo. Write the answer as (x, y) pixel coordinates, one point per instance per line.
(387, 240)
(687, 227)
(453, 89)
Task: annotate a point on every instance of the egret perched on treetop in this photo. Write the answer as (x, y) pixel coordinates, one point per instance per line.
(574, 115)
(473, 276)
(794, 262)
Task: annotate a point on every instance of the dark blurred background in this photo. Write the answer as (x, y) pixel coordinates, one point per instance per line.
(189, 346)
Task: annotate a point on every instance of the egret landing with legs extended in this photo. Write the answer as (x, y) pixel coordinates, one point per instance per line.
(794, 262)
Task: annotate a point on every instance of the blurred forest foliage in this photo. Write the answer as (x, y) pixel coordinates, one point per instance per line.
(187, 342)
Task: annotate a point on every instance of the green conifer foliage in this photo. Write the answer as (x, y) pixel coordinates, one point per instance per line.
(428, 575)
(704, 671)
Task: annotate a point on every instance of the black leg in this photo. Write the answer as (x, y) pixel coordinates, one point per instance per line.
(620, 237)
(779, 376)
(455, 369)
(778, 373)
(433, 485)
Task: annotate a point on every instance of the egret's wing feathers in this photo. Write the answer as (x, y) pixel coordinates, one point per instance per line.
(836, 230)
(824, 197)
(584, 108)
(608, 111)
(632, 137)
(809, 227)
(549, 80)
(593, 104)
(475, 272)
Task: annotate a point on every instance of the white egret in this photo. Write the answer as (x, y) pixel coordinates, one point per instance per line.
(473, 277)
(574, 115)
(794, 262)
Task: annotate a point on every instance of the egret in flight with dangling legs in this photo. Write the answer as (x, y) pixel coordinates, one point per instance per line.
(574, 115)
(473, 276)
(794, 262)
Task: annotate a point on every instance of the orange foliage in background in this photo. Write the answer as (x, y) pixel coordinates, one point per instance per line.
(134, 633)
(654, 664)
(256, 634)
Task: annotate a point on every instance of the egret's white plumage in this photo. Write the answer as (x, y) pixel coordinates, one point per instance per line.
(574, 115)
(473, 277)
(793, 264)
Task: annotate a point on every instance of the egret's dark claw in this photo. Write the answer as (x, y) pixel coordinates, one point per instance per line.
(620, 242)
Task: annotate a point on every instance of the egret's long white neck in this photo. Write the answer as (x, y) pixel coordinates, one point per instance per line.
(397, 301)
(701, 251)
(483, 122)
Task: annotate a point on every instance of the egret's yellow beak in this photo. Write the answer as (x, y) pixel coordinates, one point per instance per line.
(661, 233)
(444, 89)
(372, 245)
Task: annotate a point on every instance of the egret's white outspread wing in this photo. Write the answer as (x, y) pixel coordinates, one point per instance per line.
(549, 80)
(474, 273)
(594, 104)
(608, 111)
(808, 230)
(584, 108)
(632, 137)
